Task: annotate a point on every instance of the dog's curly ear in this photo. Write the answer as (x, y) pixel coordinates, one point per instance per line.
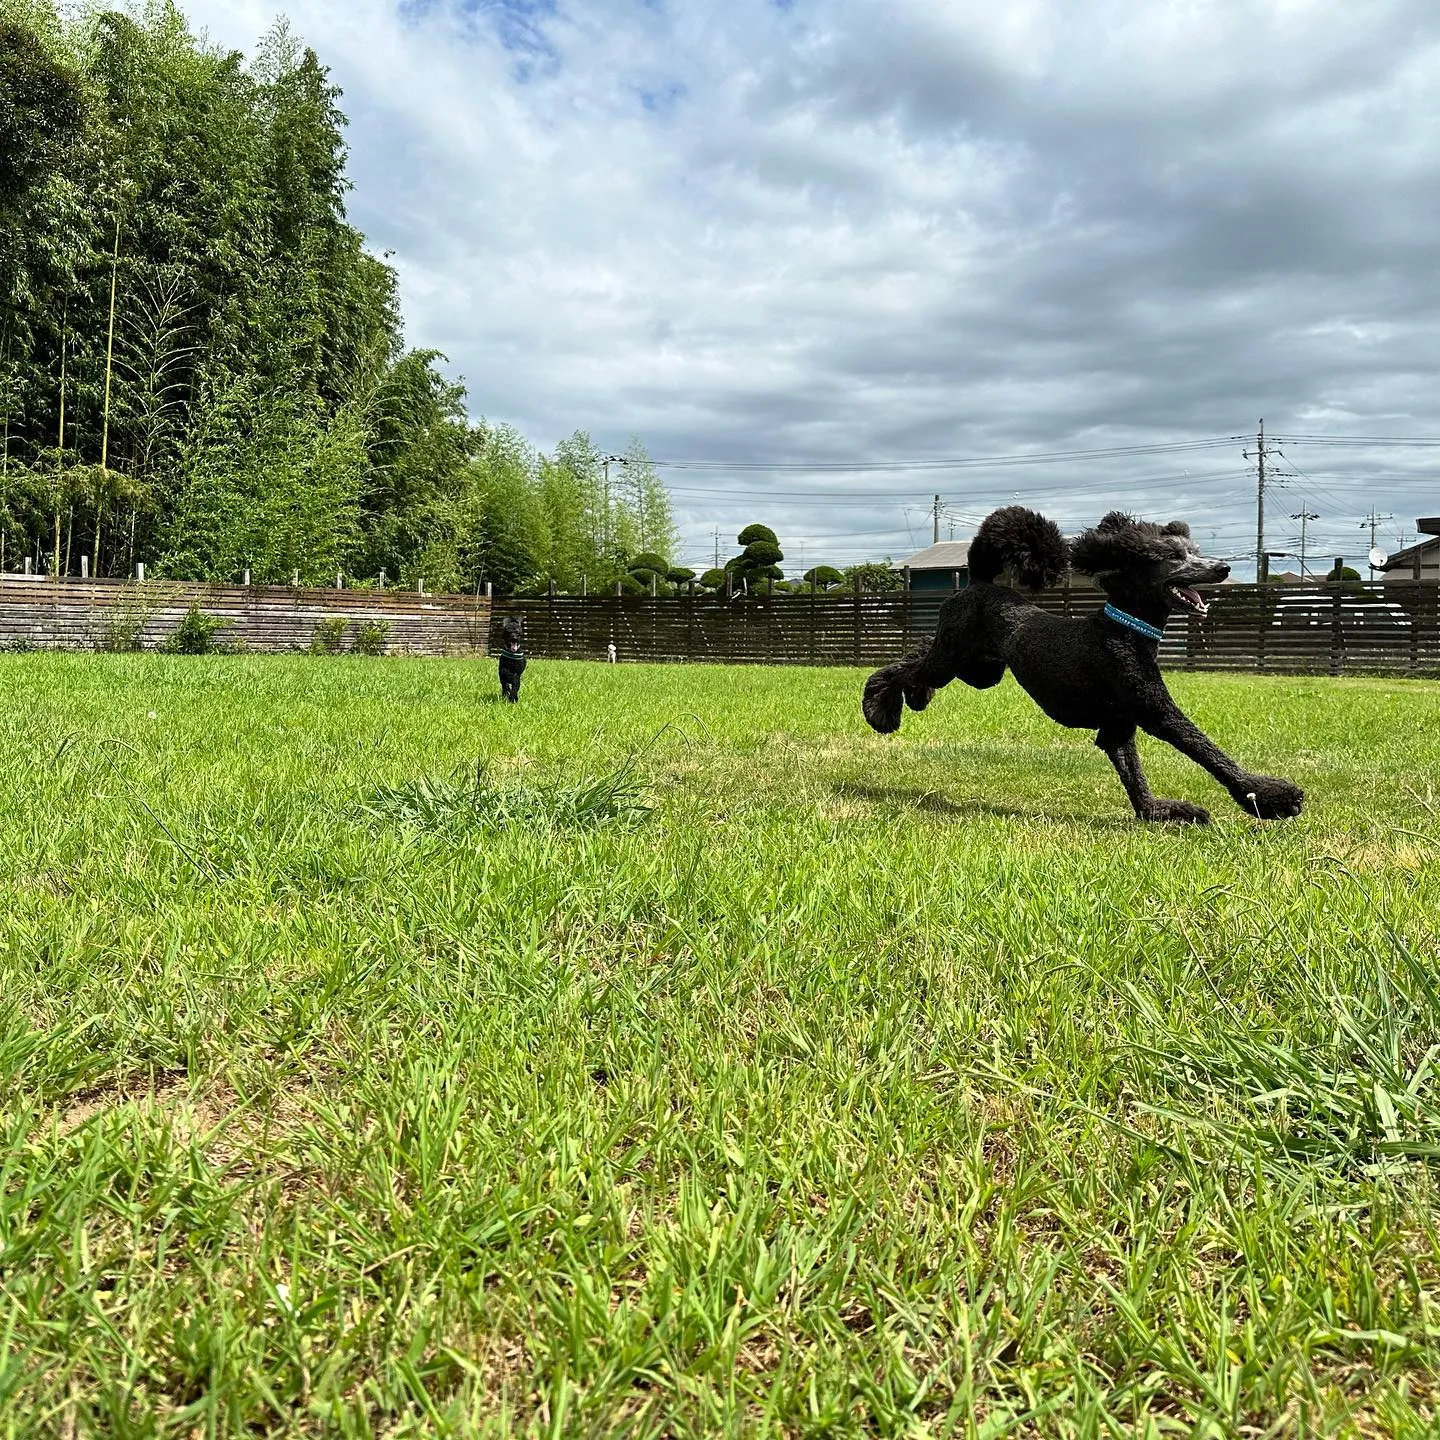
(1177, 527)
(1117, 543)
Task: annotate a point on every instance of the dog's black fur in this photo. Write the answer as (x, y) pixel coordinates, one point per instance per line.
(1093, 673)
(512, 657)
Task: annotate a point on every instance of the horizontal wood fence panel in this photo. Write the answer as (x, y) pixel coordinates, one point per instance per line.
(79, 614)
(1292, 629)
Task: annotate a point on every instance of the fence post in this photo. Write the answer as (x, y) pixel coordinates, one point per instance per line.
(140, 570)
(84, 567)
(1337, 636)
(690, 622)
(857, 617)
(905, 611)
(812, 616)
(1262, 624)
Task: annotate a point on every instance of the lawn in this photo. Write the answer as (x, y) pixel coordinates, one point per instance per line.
(669, 1055)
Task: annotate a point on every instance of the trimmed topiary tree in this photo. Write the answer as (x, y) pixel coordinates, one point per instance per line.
(760, 559)
(713, 579)
(823, 577)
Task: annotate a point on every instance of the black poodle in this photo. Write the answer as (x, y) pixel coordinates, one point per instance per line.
(512, 657)
(1099, 673)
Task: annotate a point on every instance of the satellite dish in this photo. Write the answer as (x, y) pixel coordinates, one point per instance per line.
(1378, 558)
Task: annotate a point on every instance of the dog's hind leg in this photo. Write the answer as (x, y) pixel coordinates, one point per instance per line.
(911, 681)
(1118, 743)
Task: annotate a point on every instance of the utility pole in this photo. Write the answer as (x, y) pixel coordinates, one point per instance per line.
(605, 521)
(1262, 453)
(717, 547)
(1303, 516)
(1372, 523)
(935, 513)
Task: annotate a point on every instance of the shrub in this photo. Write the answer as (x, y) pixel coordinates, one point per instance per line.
(822, 577)
(371, 638)
(875, 576)
(713, 579)
(195, 634)
(125, 622)
(329, 636)
(680, 575)
(649, 561)
(758, 535)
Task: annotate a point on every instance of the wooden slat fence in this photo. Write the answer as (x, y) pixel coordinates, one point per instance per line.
(76, 614)
(1290, 629)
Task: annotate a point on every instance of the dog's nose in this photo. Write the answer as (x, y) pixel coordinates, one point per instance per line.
(1224, 572)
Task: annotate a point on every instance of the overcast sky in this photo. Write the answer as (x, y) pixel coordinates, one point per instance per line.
(803, 232)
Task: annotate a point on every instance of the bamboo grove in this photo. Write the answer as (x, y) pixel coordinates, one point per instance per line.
(202, 367)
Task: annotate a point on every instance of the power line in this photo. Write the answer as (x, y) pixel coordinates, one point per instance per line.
(832, 497)
(1037, 457)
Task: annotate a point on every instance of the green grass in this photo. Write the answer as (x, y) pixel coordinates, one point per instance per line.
(669, 1055)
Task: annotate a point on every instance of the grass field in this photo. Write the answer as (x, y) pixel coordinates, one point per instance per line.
(669, 1055)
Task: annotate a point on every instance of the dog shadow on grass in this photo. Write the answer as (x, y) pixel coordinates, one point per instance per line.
(931, 802)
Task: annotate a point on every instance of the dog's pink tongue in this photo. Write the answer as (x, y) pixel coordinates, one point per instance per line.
(1193, 597)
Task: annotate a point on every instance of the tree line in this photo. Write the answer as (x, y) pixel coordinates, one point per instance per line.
(203, 368)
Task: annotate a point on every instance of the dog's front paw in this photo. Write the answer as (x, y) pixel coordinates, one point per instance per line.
(1268, 798)
(1175, 812)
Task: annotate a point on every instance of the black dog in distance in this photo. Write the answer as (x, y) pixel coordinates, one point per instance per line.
(512, 657)
(1099, 673)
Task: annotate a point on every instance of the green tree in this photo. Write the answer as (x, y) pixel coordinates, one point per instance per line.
(648, 502)
(760, 560)
(874, 575)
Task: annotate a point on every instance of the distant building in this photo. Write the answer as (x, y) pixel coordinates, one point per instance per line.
(1417, 562)
(944, 566)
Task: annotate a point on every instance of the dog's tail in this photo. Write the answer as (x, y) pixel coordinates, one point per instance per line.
(1019, 540)
(888, 691)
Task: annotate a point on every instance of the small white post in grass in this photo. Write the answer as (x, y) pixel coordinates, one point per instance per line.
(140, 570)
(84, 567)
(246, 581)
(610, 652)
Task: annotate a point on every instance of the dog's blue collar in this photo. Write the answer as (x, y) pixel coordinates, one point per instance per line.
(1140, 627)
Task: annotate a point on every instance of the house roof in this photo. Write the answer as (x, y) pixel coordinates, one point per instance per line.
(1406, 557)
(947, 555)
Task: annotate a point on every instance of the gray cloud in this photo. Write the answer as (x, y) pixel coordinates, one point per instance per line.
(842, 232)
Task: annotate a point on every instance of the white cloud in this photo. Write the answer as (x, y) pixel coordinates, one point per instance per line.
(836, 230)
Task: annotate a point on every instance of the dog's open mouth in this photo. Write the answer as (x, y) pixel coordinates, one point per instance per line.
(1189, 599)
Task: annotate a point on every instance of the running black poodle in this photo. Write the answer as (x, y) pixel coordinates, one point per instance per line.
(512, 657)
(1099, 673)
